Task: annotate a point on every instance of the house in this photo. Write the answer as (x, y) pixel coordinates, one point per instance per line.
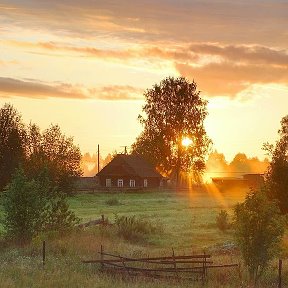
(129, 171)
(247, 181)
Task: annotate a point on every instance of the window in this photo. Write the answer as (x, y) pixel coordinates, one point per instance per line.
(108, 183)
(132, 183)
(145, 183)
(120, 183)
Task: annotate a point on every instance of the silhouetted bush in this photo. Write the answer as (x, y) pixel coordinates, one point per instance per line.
(222, 221)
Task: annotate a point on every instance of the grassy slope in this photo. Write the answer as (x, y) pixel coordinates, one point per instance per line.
(189, 225)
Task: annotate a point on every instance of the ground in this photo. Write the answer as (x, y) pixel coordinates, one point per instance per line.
(186, 223)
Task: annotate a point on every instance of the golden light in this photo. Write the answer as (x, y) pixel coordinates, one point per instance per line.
(186, 141)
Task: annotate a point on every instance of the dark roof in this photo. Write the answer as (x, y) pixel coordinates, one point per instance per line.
(132, 165)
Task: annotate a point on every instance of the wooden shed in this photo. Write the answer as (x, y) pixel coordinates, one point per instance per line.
(129, 171)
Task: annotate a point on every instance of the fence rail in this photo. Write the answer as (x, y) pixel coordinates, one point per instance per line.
(195, 266)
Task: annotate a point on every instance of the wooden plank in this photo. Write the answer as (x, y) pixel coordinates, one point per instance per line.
(162, 258)
(164, 262)
(182, 270)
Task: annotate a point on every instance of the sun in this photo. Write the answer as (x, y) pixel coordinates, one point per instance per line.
(186, 141)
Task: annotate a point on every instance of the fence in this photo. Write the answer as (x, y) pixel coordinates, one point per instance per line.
(193, 267)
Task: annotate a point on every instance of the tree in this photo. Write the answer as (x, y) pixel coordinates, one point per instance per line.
(174, 110)
(12, 139)
(34, 206)
(277, 173)
(56, 152)
(240, 163)
(259, 228)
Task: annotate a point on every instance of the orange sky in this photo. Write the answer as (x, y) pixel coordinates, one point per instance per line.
(85, 64)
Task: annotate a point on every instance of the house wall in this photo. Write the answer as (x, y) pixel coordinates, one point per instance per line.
(139, 182)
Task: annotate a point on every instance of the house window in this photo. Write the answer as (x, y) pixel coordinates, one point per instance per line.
(108, 183)
(132, 183)
(145, 183)
(120, 183)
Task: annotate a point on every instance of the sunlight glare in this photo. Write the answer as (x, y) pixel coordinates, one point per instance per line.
(186, 141)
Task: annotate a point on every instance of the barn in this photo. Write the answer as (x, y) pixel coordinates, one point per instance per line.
(129, 171)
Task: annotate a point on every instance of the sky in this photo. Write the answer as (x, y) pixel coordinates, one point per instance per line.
(85, 65)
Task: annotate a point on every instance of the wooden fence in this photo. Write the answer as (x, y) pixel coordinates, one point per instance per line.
(193, 267)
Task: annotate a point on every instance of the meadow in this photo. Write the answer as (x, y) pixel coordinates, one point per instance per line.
(186, 223)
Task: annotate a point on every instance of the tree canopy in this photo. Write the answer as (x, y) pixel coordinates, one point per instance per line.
(34, 150)
(56, 152)
(173, 111)
(259, 228)
(12, 142)
(277, 174)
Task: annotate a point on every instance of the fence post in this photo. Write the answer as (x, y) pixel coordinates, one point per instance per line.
(102, 256)
(43, 253)
(174, 263)
(280, 274)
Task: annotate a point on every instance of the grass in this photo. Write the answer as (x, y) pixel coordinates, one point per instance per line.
(187, 223)
(188, 220)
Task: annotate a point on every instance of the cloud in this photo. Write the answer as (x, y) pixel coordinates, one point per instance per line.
(34, 89)
(176, 21)
(228, 79)
(227, 69)
(255, 54)
(30, 88)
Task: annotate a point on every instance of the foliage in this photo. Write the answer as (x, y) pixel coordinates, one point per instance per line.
(277, 174)
(134, 228)
(54, 151)
(12, 137)
(222, 221)
(33, 150)
(34, 206)
(174, 110)
(259, 228)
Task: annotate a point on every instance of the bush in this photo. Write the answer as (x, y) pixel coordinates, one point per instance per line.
(259, 228)
(33, 206)
(222, 220)
(134, 228)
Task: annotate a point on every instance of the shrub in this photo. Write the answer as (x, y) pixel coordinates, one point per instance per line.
(33, 206)
(134, 228)
(222, 220)
(259, 228)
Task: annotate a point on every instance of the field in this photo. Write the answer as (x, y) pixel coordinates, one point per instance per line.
(186, 222)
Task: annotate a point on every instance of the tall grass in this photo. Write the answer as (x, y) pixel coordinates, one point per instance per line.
(134, 228)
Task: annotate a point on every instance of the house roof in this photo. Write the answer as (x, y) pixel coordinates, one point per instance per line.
(132, 165)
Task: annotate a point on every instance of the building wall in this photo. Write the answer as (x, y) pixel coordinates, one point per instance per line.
(139, 182)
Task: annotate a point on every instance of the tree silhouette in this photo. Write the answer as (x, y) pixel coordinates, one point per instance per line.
(12, 139)
(277, 174)
(53, 150)
(174, 110)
